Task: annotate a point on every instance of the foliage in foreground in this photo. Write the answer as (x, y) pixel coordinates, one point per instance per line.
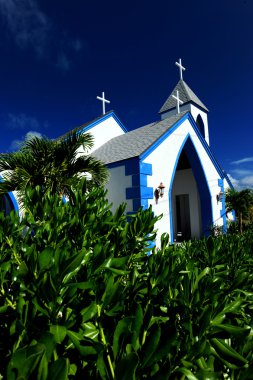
(54, 165)
(80, 298)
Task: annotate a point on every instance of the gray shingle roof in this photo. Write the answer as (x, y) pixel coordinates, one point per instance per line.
(185, 94)
(136, 142)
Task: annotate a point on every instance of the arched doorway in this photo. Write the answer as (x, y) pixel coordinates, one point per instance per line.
(190, 198)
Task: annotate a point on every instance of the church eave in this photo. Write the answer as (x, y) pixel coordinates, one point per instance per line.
(186, 103)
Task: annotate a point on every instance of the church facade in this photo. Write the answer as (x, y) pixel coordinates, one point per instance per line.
(167, 164)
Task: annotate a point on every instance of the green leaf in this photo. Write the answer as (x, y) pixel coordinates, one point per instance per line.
(234, 307)
(235, 331)
(59, 370)
(186, 372)
(49, 342)
(59, 332)
(80, 285)
(93, 349)
(71, 264)
(150, 345)
(101, 366)
(136, 327)
(43, 368)
(45, 258)
(122, 329)
(205, 374)
(126, 368)
(89, 312)
(200, 276)
(90, 331)
(118, 271)
(25, 360)
(228, 353)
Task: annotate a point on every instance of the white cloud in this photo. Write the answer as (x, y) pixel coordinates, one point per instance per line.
(32, 29)
(22, 121)
(15, 144)
(28, 25)
(242, 161)
(247, 181)
(241, 172)
(235, 182)
(243, 182)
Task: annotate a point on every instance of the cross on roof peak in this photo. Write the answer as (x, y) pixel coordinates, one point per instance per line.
(179, 101)
(181, 68)
(103, 100)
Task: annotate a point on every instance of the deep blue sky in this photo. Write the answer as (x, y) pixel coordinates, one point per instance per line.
(58, 55)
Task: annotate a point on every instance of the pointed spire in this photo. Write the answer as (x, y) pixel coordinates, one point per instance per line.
(186, 96)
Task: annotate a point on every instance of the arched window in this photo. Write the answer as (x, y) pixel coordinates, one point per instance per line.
(201, 126)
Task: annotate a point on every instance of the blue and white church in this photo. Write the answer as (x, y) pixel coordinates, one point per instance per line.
(167, 164)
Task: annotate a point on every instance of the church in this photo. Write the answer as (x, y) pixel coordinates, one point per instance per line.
(167, 164)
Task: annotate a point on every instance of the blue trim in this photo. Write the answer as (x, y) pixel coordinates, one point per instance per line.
(139, 180)
(189, 117)
(12, 198)
(14, 201)
(100, 120)
(133, 192)
(139, 192)
(223, 204)
(208, 151)
(145, 168)
(163, 137)
(146, 192)
(132, 166)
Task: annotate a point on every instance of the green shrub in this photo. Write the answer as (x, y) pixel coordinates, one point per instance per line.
(80, 297)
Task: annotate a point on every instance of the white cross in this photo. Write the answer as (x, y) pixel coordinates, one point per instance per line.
(103, 100)
(181, 68)
(179, 101)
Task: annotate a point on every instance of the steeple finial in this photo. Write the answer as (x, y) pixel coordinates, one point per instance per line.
(103, 100)
(179, 101)
(181, 68)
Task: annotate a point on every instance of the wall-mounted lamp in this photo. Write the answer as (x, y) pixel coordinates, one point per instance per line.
(159, 192)
(219, 197)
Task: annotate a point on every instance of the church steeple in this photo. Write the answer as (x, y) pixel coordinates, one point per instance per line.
(189, 102)
(186, 95)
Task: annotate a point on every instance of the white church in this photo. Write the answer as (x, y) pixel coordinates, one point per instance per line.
(167, 164)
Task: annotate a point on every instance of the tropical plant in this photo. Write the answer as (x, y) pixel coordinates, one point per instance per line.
(241, 202)
(80, 297)
(54, 165)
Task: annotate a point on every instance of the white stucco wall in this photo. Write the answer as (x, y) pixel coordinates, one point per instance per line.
(195, 111)
(117, 188)
(163, 160)
(103, 132)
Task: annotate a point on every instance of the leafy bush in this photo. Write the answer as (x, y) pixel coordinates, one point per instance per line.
(80, 297)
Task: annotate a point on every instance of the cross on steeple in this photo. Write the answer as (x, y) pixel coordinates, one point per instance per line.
(179, 101)
(181, 68)
(103, 100)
